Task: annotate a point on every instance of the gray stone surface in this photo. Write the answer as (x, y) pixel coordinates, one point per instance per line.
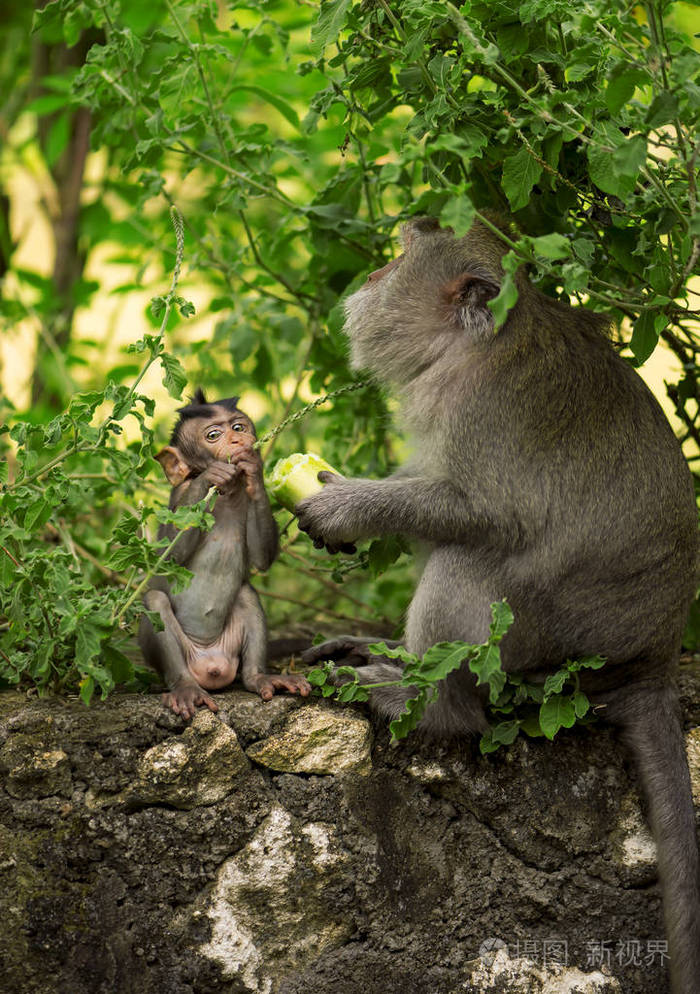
(250, 853)
(317, 740)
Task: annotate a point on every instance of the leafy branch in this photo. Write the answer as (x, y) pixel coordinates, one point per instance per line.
(536, 709)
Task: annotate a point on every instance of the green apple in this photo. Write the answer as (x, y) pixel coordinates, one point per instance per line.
(296, 477)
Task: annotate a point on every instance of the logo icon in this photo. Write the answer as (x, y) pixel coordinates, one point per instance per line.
(489, 948)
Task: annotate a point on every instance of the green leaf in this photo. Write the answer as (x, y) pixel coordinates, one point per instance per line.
(383, 553)
(8, 571)
(398, 652)
(87, 643)
(508, 294)
(554, 684)
(645, 336)
(406, 722)
(614, 161)
(630, 156)
(663, 109)
(439, 660)
(175, 378)
(502, 619)
(581, 703)
(52, 11)
(504, 733)
(73, 23)
(458, 214)
(285, 109)
(49, 103)
(327, 26)
(186, 307)
(520, 173)
(622, 83)
(555, 713)
(552, 246)
(37, 515)
(486, 664)
(87, 689)
(531, 726)
(585, 662)
(120, 666)
(317, 677)
(351, 692)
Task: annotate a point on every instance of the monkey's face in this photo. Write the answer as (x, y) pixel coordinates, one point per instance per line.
(217, 435)
(425, 304)
(222, 434)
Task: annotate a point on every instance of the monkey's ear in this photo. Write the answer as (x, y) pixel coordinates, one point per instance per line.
(467, 297)
(174, 466)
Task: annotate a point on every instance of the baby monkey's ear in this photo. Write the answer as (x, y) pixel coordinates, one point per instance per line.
(174, 466)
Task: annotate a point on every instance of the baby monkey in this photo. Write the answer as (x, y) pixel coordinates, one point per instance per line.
(216, 625)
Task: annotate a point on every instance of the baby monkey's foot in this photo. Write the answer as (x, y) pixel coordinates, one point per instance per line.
(185, 698)
(269, 684)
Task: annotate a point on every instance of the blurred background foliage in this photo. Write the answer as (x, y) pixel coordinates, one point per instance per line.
(292, 137)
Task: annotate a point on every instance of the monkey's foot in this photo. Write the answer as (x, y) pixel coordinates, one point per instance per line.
(346, 649)
(269, 684)
(185, 698)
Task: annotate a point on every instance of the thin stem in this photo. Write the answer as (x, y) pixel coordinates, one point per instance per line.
(269, 191)
(318, 609)
(116, 617)
(299, 294)
(274, 432)
(334, 588)
(194, 51)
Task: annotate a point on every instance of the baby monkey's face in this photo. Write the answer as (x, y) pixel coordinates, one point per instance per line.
(224, 433)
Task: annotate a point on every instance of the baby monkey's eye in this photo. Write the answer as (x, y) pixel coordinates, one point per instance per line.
(212, 434)
(238, 426)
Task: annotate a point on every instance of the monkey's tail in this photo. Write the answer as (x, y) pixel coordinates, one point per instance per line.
(651, 728)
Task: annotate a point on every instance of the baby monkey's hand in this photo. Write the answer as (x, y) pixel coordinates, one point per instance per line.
(222, 475)
(248, 461)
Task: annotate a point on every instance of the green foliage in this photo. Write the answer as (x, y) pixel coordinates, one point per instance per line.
(62, 631)
(535, 709)
(593, 144)
(517, 704)
(293, 137)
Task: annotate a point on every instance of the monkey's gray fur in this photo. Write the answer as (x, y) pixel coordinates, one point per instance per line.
(544, 472)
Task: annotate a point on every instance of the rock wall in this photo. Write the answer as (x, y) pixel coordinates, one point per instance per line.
(287, 848)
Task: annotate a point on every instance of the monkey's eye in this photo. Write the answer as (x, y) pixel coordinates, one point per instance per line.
(211, 434)
(238, 426)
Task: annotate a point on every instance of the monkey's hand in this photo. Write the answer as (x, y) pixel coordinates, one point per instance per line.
(324, 516)
(185, 697)
(222, 475)
(248, 461)
(268, 684)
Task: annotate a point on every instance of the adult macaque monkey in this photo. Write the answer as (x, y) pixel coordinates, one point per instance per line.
(545, 472)
(217, 624)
